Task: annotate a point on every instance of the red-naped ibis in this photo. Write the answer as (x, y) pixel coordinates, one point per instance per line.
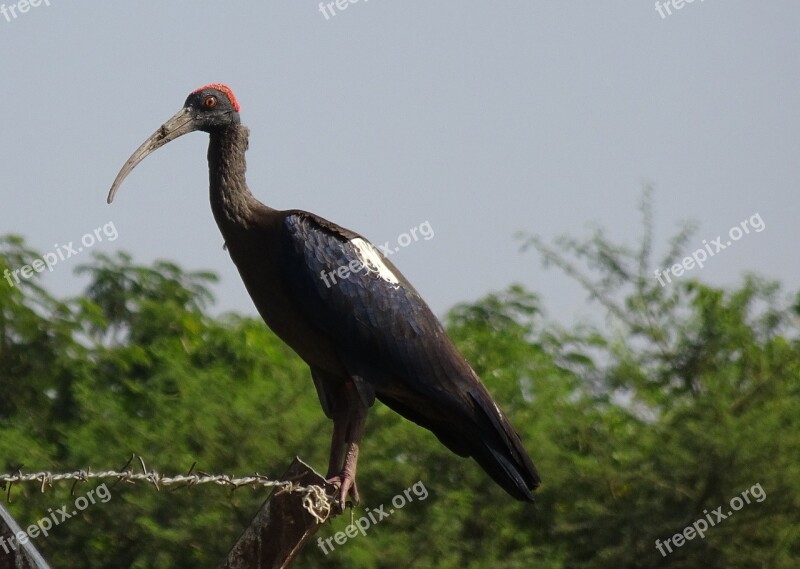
(368, 335)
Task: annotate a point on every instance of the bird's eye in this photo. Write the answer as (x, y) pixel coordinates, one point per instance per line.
(210, 102)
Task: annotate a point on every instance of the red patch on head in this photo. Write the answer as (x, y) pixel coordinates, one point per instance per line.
(223, 88)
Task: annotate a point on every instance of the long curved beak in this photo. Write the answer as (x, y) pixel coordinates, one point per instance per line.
(182, 123)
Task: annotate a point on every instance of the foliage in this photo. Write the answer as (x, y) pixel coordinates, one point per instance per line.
(687, 397)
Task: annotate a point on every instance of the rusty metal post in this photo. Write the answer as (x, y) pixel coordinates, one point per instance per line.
(13, 554)
(281, 528)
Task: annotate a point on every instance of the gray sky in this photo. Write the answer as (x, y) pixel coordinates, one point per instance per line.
(482, 118)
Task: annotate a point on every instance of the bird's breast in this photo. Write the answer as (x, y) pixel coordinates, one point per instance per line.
(259, 264)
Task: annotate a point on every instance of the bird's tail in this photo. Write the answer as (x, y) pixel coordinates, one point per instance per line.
(472, 424)
(498, 449)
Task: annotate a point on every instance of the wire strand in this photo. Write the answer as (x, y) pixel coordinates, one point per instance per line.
(315, 500)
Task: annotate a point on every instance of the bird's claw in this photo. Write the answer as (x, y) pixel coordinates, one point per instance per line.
(345, 486)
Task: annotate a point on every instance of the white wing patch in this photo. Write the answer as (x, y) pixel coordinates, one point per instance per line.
(372, 261)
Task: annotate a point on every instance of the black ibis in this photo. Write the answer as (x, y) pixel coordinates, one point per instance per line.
(367, 335)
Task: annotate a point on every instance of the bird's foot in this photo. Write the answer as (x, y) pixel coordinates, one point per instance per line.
(345, 486)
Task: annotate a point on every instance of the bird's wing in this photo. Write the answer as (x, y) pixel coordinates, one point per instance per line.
(382, 328)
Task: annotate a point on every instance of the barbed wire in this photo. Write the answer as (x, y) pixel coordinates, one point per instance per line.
(315, 500)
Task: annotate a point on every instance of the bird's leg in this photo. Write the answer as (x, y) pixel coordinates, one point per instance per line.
(337, 445)
(349, 419)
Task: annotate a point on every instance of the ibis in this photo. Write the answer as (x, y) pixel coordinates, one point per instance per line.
(367, 336)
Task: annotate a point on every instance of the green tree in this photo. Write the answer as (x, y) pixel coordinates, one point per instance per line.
(697, 401)
(684, 398)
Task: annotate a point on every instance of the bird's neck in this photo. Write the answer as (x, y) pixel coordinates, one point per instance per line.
(231, 201)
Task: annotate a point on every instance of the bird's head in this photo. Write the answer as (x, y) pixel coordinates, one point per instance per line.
(207, 109)
(211, 107)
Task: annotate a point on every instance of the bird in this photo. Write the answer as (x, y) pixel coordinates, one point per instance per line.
(367, 336)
